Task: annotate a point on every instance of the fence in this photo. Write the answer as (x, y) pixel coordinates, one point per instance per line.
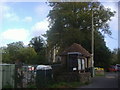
(14, 76)
(29, 74)
(8, 75)
(24, 76)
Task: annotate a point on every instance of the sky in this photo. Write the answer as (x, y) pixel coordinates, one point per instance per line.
(112, 41)
(21, 21)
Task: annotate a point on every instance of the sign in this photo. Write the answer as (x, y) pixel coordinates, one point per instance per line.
(79, 64)
(74, 69)
(83, 64)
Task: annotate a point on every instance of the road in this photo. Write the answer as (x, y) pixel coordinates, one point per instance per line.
(110, 80)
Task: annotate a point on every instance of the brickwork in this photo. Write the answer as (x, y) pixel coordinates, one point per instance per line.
(85, 77)
(73, 76)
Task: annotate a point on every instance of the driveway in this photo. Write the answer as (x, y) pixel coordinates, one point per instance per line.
(110, 80)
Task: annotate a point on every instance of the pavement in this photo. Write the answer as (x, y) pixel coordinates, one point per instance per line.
(109, 80)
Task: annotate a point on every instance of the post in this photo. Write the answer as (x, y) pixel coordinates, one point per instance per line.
(1, 68)
(15, 81)
(92, 45)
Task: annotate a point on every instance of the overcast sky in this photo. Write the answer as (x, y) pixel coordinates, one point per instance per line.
(21, 21)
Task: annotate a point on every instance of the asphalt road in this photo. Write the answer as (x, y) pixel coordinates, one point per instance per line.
(110, 80)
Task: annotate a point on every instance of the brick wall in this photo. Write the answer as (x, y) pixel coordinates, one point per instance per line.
(73, 77)
(84, 77)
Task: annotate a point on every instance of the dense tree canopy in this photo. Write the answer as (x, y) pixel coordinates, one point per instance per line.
(10, 53)
(27, 55)
(114, 59)
(68, 19)
(115, 56)
(118, 56)
(16, 51)
(37, 43)
(72, 23)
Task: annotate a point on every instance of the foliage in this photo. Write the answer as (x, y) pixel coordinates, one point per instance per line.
(101, 51)
(118, 56)
(27, 55)
(40, 58)
(5, 55)
(10, 53)
(34, 54)
(72, 23)
(37, 43)
(114, 59)
(115, 56)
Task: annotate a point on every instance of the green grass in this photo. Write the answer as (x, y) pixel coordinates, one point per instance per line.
(66, 85)
(31, 86)
(7, 86)
(99, 74)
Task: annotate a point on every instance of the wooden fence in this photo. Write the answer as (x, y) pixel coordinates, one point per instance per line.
(8, 75)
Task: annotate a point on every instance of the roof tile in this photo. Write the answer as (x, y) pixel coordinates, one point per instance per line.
(76, 48)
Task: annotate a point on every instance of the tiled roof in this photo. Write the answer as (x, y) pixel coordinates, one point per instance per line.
(76, 48)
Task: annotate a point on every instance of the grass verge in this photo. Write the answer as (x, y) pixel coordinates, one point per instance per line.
(66, 85)
(99, 74)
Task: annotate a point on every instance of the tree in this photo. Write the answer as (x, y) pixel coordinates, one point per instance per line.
(114, 59)
(102, 55)
(115, 56)
(72, 23)
(68, 20)
(37, 43)
(5, 55)
(118, 56)
(16, 52)
(27, 55)
(10, 53)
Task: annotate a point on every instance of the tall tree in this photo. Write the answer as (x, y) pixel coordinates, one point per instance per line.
(37, 43)
(72, 23)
